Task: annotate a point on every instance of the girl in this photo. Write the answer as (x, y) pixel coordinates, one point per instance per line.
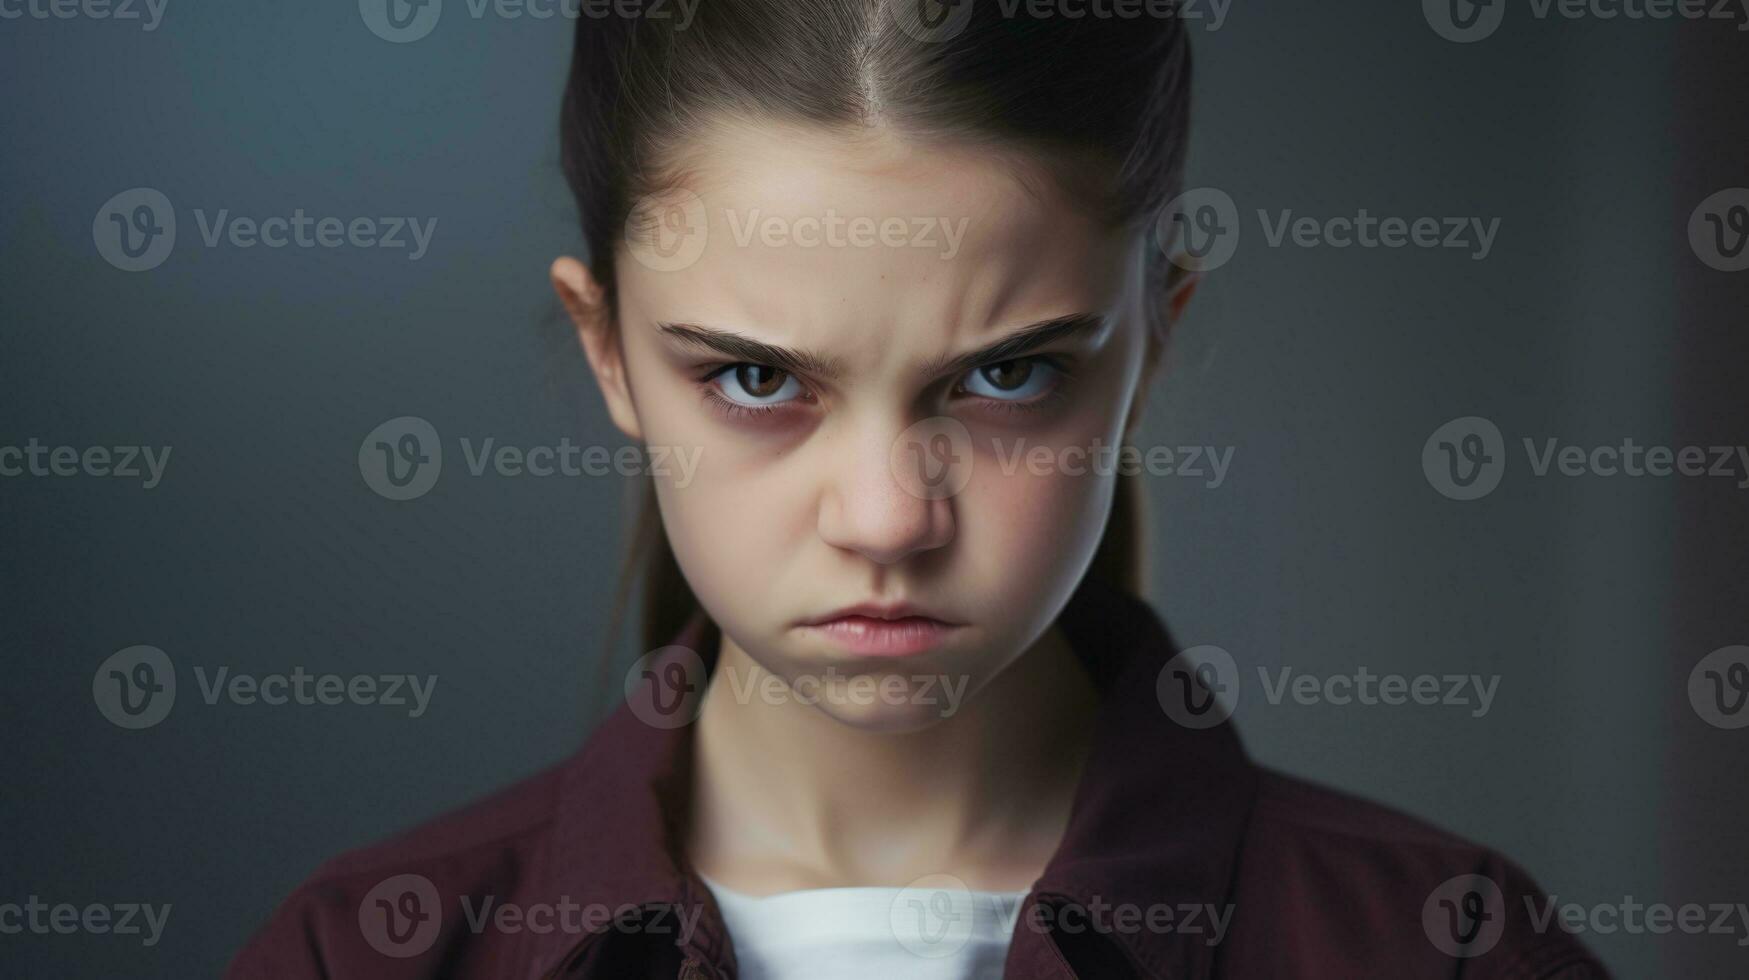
(889, 273)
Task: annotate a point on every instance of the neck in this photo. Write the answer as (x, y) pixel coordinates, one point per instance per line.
(786, 797)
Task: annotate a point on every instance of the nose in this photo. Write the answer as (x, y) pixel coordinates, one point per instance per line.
(866, 506)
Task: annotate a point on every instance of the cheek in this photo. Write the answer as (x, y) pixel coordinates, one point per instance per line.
(1030, 526)
(1033, 514)
(741, 516)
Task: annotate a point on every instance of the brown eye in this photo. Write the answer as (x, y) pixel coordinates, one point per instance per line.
(1022, 379)
(757, 385)
(1008, 375)
(760, 380)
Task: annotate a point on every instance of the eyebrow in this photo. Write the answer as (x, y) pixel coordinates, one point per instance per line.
(1017, 344)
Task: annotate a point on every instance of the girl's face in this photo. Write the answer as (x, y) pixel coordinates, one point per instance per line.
(902, 372)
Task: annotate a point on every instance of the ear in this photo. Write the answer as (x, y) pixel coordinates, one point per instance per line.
(1181, 284)
(587, 304)
(1175, 294)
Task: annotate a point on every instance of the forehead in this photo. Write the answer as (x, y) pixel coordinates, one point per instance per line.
(847, 239)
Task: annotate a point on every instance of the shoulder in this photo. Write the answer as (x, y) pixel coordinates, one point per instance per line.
(377, 910)
(1371, 890)
(1291, 811)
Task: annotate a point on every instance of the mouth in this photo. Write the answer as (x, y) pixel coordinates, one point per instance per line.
(873, 630)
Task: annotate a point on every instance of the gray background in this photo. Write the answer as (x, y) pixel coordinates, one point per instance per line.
(1325, 370)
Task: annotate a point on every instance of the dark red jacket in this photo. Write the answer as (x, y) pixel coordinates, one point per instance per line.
(575, 872)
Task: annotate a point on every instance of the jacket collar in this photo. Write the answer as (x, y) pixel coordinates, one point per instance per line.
(1164, 832)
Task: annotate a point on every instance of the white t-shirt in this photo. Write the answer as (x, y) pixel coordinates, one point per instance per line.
(945, 933)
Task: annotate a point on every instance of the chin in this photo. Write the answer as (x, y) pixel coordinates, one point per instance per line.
(884, 719)
(893, 700)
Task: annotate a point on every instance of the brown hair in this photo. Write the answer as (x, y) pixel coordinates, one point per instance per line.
(1109, 92)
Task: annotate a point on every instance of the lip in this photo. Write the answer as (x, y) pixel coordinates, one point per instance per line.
(882, 629)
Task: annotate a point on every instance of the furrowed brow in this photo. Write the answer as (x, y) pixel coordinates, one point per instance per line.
(1017, 344)
(1021, 342)
(741, 348)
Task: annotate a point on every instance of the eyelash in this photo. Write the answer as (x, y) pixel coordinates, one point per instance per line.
(734, 409)
(1038, 404)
